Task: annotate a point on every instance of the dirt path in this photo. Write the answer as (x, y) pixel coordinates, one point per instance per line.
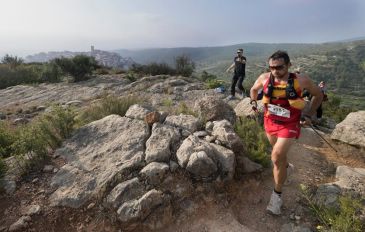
(241, 207)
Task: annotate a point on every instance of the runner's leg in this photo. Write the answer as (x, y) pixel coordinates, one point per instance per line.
(279, 160)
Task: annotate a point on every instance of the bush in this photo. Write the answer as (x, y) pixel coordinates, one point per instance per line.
(333, 109)
(34, 141)
(184, 65)
(12, 61)
(107, 106)
(212, 84)
(344, 219)
(254, 139)
(51, 73)
(7, 138)
(23, 74)
(153, 69)
(79, 67)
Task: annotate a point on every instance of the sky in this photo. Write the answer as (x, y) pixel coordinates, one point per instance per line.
(30, 26)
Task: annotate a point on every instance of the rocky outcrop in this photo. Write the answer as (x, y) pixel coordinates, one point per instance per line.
(206, 157)
(244, 108)
(128, 165)
(349, 180)
(212, 108)
(351, 130)
(100, 154)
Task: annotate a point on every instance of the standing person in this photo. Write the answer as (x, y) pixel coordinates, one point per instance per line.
(239, 65)
(282, 115)
(322, 86)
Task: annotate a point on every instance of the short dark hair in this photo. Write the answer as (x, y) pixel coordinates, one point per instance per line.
(280, 55)
(240, 49)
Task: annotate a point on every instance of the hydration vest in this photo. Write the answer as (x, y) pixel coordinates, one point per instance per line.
(287, 96)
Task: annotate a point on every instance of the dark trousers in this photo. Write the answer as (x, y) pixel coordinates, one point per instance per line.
(237, 78)
(319, 111)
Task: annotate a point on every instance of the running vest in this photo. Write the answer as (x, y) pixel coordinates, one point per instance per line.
(287, 96)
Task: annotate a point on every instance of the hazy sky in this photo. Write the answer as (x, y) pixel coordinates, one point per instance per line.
(28, 26)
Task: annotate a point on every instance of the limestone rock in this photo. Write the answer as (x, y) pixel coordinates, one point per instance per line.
(155, 172)
(98, 155)
(137, 210)
(21, 224)
(152, 117)
(201, 165)
(125, 191)
(185, 122)
(214, 109)
(161, 143)
(244, 108)
(137, 112)
(351, 130)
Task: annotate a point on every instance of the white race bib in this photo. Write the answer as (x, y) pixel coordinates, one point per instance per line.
(278, 111)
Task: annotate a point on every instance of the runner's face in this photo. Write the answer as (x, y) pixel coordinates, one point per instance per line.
(278, 68)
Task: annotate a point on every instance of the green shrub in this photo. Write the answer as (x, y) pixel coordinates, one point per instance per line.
(79, 67)
(333, 108)
(213, 83)
(51, 73)
(153, 69)
(205, 76)
(107, 106)
(12, 61)
(344, 219)
(34, 141)
(23, 74)
(184, 109)
(7, 138)
(184, 65)
(254, 139)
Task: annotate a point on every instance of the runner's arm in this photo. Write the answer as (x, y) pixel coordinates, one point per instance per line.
(256, 87)
(230, 67)
(316, 93)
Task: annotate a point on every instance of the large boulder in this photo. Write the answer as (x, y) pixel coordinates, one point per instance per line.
(137, 112)
(244, 108)
(214, 109)
(223, 158)
(349, 180)
(125, 191)
(99, 155)
(184, 122)
(224, 132)
(351, 130)
(138, 210)
(161, 143)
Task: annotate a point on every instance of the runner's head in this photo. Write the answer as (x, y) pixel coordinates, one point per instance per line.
(239, 52)
(279, 64)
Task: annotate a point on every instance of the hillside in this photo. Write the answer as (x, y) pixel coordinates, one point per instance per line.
(341, 64)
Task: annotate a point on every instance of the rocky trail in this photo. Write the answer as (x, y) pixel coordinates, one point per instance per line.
(118, 174)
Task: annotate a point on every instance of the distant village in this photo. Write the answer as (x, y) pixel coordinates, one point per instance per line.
(105, 58)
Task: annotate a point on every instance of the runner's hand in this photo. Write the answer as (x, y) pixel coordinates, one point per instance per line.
(306, 120)
(254, 106)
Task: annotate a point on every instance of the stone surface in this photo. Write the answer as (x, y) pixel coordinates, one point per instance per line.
(138, 210)
(21, 224)
(201, 165)
(222, 157)
(125, 191)
(152, 118)
(184, 122)
(244, 108)
(98, 155)
(155, 172)
(214, 109)
(31, 210)
(351, 130)
(137, 112)
(162, 142)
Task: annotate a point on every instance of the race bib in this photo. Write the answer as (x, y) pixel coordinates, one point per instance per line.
(279, 111)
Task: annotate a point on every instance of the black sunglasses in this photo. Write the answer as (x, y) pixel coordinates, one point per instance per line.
(279, 67)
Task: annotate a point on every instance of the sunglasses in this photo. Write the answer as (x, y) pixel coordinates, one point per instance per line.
(279, 67)
(239, 52)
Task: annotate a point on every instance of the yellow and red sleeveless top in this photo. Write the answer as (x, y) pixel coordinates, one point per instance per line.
(279, 98)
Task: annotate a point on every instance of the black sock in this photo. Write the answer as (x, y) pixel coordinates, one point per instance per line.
(277, 192)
